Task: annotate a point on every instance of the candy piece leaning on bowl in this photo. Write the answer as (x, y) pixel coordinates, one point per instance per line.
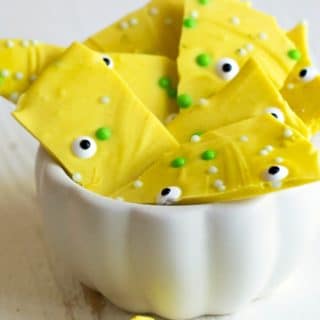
(302, 89)
(250, 94)
(21, 61)
(248, 158)
(219, 39)
(21, 64)
(91, 122)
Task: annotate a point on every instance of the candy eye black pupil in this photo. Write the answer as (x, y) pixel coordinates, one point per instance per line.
(227, 67)
(274, 170)
(274, 115)
(165, 192)
(85, 144)
(303, 73)
(107, 61)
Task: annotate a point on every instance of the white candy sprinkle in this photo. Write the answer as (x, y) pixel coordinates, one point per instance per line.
(235, 21)
(279, 160)
(242, 52)
(264, 152)
(194, 14)
(203, 102)
(77, 177)
(19, 75)
(287, 133)
(138, 184)
(25, 43)
(124, 25)
(195, 138)
(5, 73)
(33, 77)
(105, 100)
(221, 188)
(218, 183)
(269, 148)
(250, 47)
(168, 21)
(134, 21)
(290, 86)
(170, 118)
(34, 42)
(263, 36)
(276, 184)
(14, 97)
(244, 138)
(154, 11)
(9, 44)
(213, 170)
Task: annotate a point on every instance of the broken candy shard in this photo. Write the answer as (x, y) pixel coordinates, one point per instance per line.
(91, 122)
(219, 37)
(153, 29)
(302, 88)
(224, 166)
(250, 94)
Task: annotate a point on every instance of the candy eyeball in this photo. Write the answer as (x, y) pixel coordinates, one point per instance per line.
(275, 173)
(276, 113)
(308, 74)
(169, 196)
(84, 147)
(108, 61)
(227, 69)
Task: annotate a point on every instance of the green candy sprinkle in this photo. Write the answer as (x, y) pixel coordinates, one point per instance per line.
(103, 134)
(178, 162)
(164, 82)
(172, 93)
(190, 22)
(203, 2)
(198, 133)
(209, 155)
(294, 54)
(184, 101)
(203, 60)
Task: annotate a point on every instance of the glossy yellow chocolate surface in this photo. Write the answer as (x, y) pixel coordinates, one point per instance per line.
(223, 29)
(21, 61)
(250, 94)
(74, 98)
(242, 155)
(153, 29)
(302, 93)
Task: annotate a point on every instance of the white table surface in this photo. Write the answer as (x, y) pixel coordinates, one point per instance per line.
(31, 287)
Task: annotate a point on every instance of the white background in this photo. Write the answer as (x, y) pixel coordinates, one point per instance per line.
(29, 287)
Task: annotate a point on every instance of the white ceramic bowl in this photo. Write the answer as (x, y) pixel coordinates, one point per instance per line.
(178, 262)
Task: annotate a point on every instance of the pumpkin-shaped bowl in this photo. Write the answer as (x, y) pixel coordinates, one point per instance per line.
(178, 262)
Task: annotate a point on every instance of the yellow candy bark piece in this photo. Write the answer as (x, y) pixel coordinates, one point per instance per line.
(91, 122)
(154, 29)
(218, 40)
(21, 61)
(302, 89)
(246, 159)
(250, 94)
(152, 78)
(138, 70)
